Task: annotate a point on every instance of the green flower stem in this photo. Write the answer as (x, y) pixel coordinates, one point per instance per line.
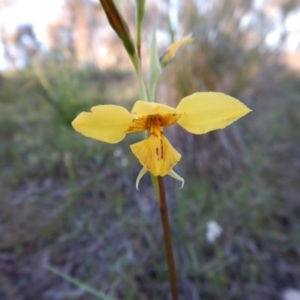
(155, 186)
(139, 12)
(142, 88)
(167, 237)
(139, 40)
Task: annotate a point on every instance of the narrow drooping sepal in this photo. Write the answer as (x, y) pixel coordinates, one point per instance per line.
(139, 177)
(173, 174)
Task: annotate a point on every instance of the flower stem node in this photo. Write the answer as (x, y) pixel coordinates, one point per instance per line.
(198, 113)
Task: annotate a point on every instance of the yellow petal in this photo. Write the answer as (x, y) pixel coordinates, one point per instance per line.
(142, 108)
(168, 119)
(138, 124)
(143, 111)
(156, 154)
(204, 112)
(143, 123)
(106, 123)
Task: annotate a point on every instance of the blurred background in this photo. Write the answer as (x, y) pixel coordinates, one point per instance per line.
(70, 202)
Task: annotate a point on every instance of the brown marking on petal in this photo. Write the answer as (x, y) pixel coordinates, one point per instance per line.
(157, 153)
(169, 119)
(160, 120)
(137, 124)
(161, 149)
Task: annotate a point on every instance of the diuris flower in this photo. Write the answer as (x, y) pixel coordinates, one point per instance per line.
(198, 113)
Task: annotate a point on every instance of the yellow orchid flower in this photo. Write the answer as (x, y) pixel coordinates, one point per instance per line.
(198, 113)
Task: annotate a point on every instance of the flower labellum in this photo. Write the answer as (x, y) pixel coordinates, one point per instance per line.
(198, 113)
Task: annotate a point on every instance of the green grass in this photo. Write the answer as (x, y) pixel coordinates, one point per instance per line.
(70, 202)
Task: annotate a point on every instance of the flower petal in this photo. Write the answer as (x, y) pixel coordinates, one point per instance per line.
(177, 177)
(106, 123)
(142, 108)
(140, 176)
(138, 124)
(156, 154)
(168, 119)
(143, 123)
(204, 112)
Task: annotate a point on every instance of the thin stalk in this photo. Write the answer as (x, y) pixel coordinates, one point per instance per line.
(159, 190)
(167, 237)
(142, 89)
(155, 186)
(139, 43)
